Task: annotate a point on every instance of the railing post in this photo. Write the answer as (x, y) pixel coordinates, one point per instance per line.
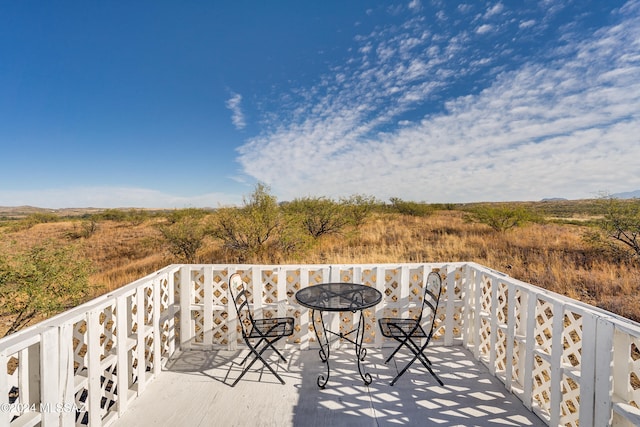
(588, 368)
(186, 326)
(477, 311)
(510, 334)
(493, 324)
(556, 369)
(232, 315)
(123, 353)
(140, 339)
(527, 384)
(49, 371)
(450, 308)
(380, 285)
(29, 375)
(602, 407)
(67, 383)
(157, 336)
(93, 368)
(305, 339)
(5, 416)
(207, 310)
(468, 307)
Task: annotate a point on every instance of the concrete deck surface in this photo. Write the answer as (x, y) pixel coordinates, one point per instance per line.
(194, 390)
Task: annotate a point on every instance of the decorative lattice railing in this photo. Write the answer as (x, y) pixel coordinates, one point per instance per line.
(570, 363)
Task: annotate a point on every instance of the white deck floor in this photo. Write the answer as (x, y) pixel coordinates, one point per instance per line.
(194, 390)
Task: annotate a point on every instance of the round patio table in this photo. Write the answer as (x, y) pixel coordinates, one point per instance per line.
(332, 297)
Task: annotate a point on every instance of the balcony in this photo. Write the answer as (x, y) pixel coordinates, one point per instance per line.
(508, 352)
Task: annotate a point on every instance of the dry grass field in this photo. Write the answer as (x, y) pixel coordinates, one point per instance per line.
(552, 255)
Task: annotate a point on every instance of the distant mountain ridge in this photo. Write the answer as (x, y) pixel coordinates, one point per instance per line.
(627, 195)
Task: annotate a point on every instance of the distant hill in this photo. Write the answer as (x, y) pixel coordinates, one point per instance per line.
(627, 195)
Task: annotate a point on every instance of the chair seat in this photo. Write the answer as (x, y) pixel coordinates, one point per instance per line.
(400, 328)
(274, 327)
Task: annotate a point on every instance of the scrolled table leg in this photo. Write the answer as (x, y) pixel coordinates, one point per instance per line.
(324, 354)
(361, 352)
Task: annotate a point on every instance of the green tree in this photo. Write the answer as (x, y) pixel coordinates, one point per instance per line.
(410, 208)
(318, 215)
(621, 222)
(185, 233)
(359, 207)
(501, 217)
(255, 228)
(44, 280)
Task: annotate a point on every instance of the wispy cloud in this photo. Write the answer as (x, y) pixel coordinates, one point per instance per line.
(496, 9)
(237, 116)
(564, 123)
(484, 28)
(415, 5)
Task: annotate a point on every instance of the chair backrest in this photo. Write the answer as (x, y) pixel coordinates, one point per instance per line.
(241, 302)
(432, 293)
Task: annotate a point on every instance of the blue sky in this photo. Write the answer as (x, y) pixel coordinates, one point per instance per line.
(189, 104)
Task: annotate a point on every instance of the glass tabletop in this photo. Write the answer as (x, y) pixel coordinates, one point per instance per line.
(338, 297)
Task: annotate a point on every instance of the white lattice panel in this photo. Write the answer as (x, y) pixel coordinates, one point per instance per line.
(108, 389)
(572, 339)
(485, 296)
(544, 325)
(634, 372)
(484, 343)
(197, 286)
(80, 347)
(107, 328)
(220, 331)
(501, 308)
(392, 285)
(148, 305)
(542, 383)
(416, 288)
(219, 291)
(269, 287)
(501, 351)
(570, 405)
(107, 349)
(133, 363)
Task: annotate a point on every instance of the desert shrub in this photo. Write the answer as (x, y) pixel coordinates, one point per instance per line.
(185, 236)
(411, 208)
(43, 280)
(178, 215)
(111, 215)
(621, 222)
(318, 215)
(501, 217)
(258, 230)
(83, 229)
(358, 207)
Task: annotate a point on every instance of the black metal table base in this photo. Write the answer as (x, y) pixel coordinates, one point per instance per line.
(325, 346)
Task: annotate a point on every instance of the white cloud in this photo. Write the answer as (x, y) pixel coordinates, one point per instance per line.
(237, 116)
(527, 23)
(112, 197)
(494, 10)
(484, 28)
(415, 5)
(565, 128)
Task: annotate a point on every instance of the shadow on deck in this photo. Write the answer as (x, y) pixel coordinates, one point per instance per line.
(194, 390)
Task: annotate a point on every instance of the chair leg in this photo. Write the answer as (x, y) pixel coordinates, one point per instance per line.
(417, 354)
(403, 342)
(258, 355)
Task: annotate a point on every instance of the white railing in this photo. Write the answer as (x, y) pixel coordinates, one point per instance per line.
(570, 363)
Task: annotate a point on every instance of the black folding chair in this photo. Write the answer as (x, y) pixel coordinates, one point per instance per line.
(408, 332)
(266, 332)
